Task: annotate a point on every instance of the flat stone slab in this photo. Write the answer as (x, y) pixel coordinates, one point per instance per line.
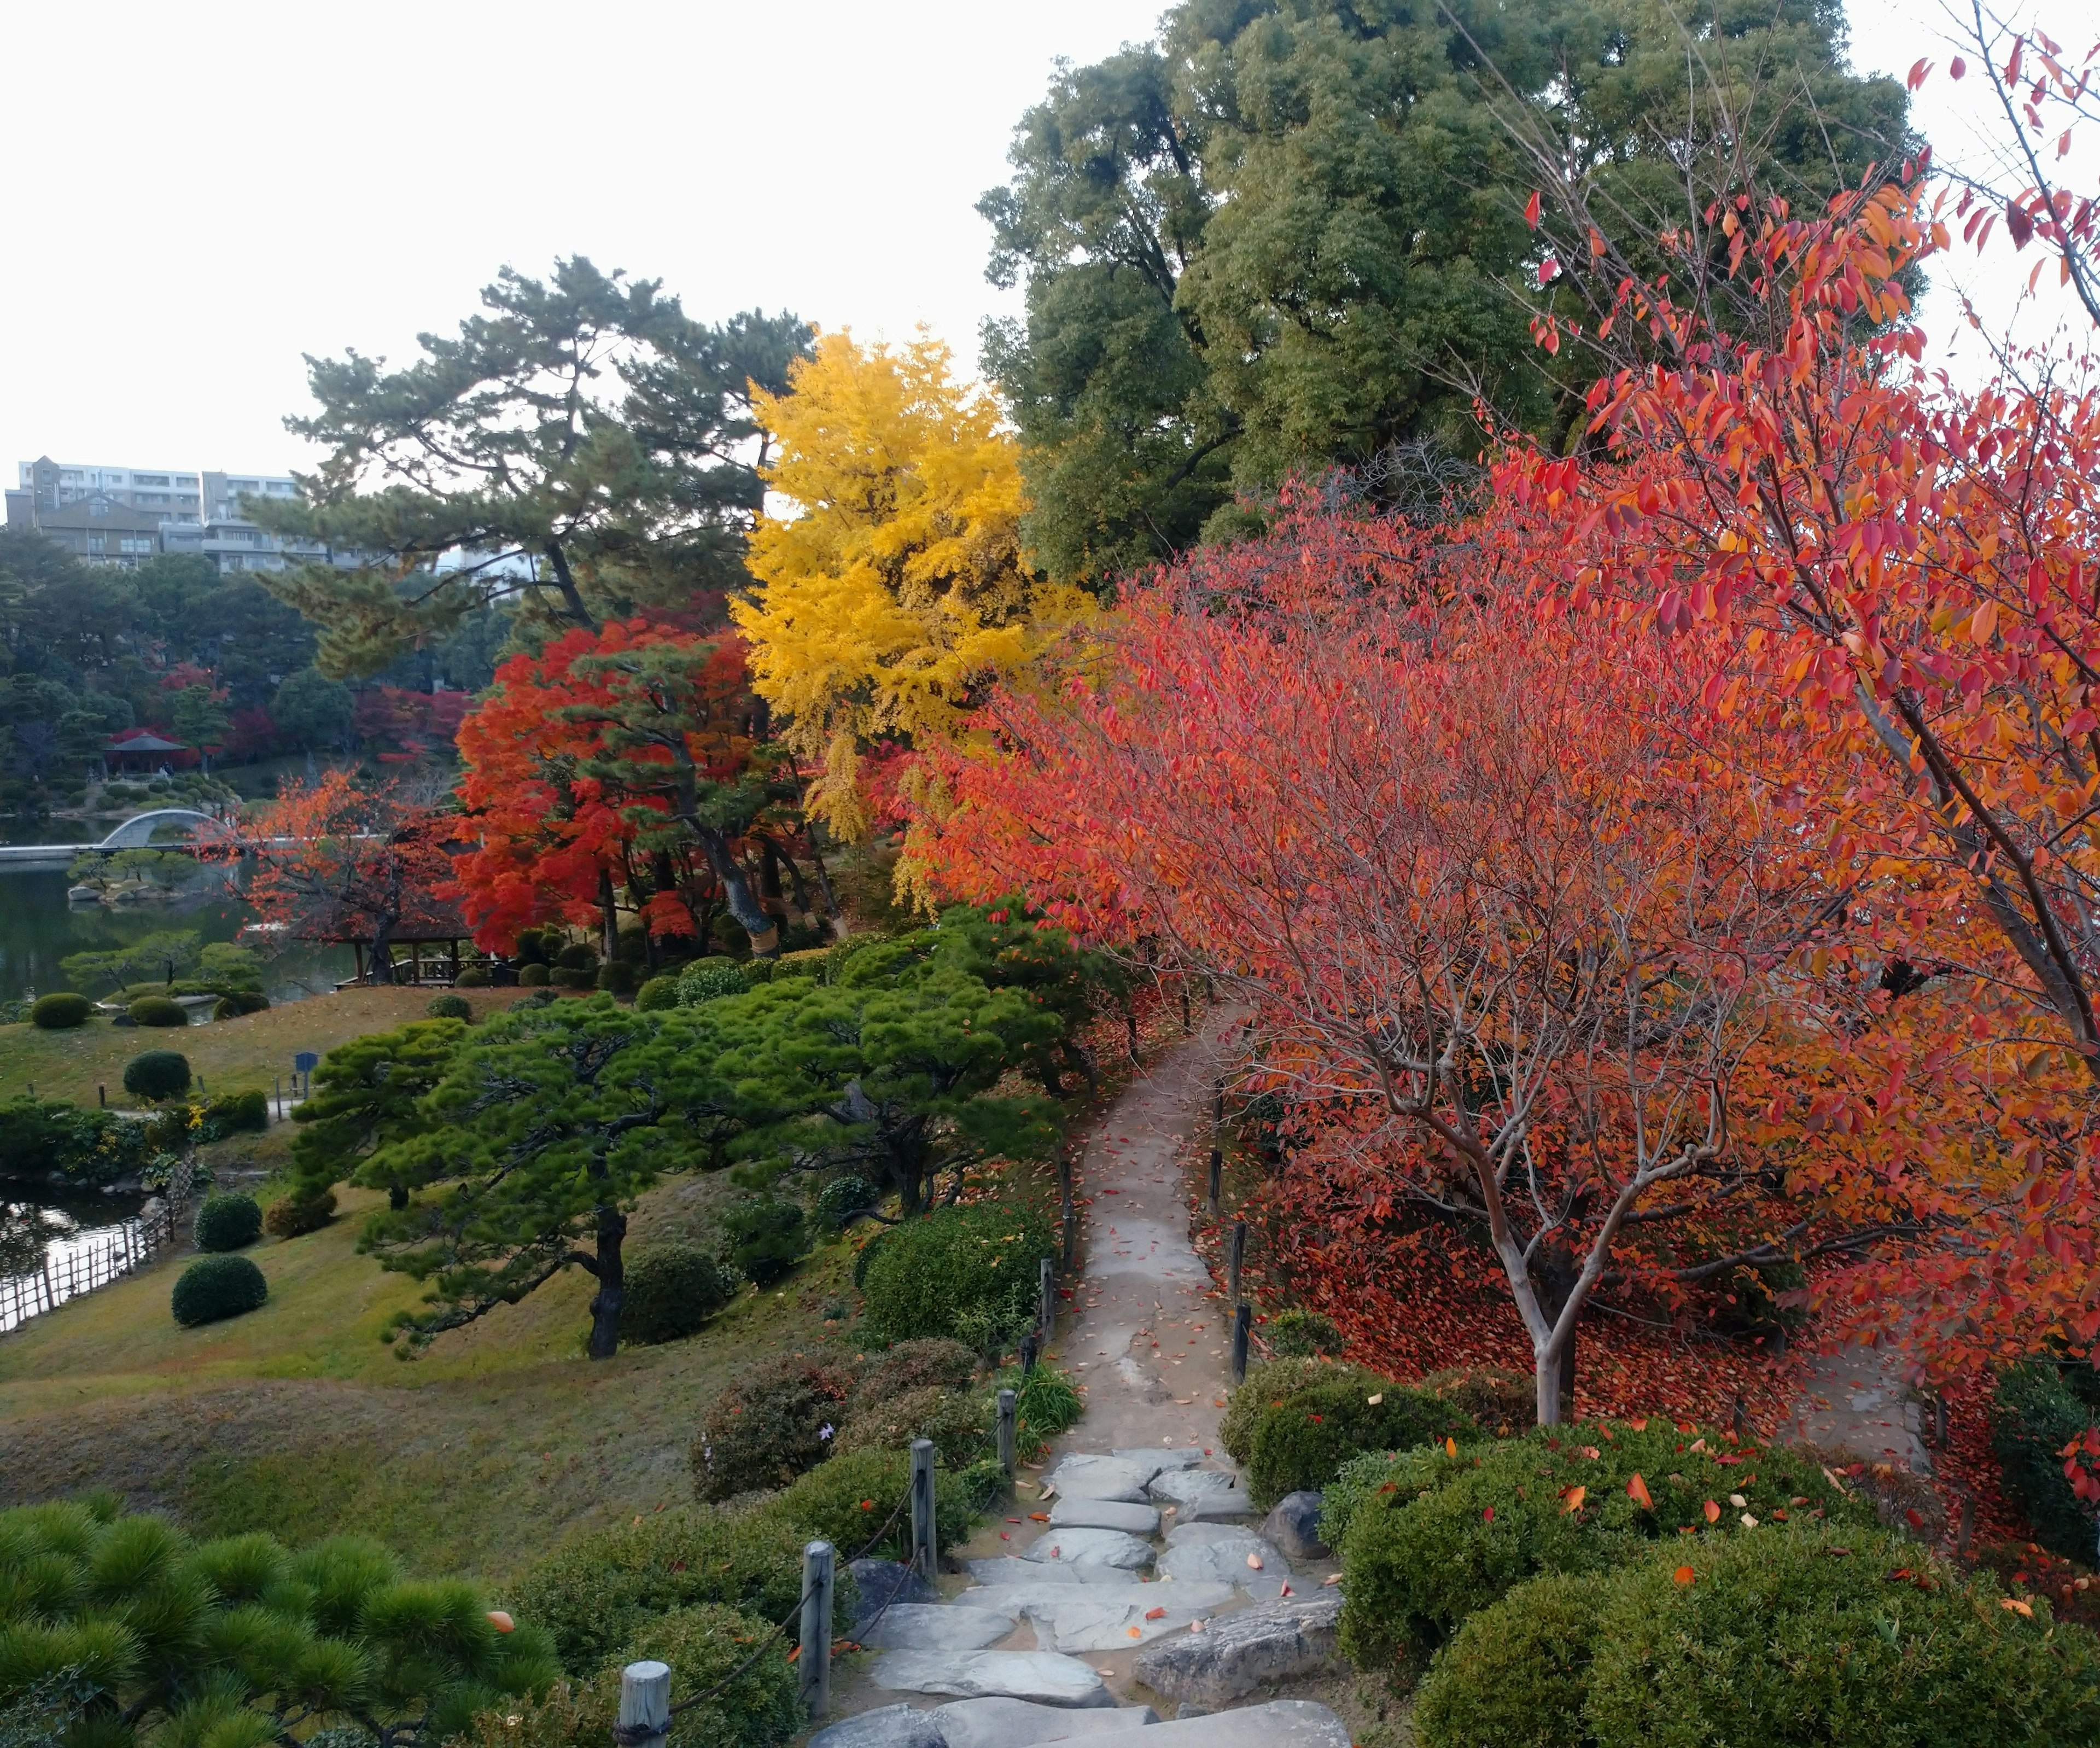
(1008, 1569)
(1204, 1535)
(1226, 1563)
(1094, 1477)
(937, 1626)
(1042, 1676)
(1281, 1724)
(1236, 1653)
(1089, 1548)
(888, 1727)
(1104, 1514)
(1084, 1621)
(1180, 1486)
(1223, 1505)
(1016, 1724)
(1163, 1458)
(1030, 1600)
(876, 1582)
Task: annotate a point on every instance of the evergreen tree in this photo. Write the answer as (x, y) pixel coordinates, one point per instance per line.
(368, 1094)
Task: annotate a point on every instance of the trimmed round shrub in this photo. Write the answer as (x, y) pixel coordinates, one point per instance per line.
(960, 1425)
(157, 1075)
(249, 1000)
(213, 1288)
(1838, 1639)
(805, 962)
(707, 1645)
(657, 996)
(2034, 1413)
(1441, 1537)
(1517, 1675)
(938, 1364)
(59, 1012)
(578, 956)
(771, 1425)
(1302, 1441)
(235, 1113)
(532, 975)
(1302, 1335)
(844, 1199)
(618, 977)
(595, 1592)
(847, 1500)
(567, 976)
(158, 1010)
(767, 1236)
(1504, 1403)
(228, 1221)
(671, 1289)
(1271, 1381)
(707, 979)
(449, 1006)
(471, 977)
(295, 1216)
(969, 1273)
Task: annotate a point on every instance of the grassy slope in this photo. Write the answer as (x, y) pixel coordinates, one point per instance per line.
(296, 1420)
(233, 1056)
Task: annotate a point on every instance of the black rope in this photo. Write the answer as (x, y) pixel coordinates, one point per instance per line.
(634, 1735)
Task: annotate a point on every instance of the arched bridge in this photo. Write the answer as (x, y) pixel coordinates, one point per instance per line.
(135, 833)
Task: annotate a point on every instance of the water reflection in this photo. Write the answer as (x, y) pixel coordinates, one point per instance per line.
(55, 1245)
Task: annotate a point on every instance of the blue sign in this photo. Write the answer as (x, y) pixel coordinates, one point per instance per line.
(306, 1062)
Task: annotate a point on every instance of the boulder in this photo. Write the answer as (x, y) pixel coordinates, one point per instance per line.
(937, 1626)
(1295, 1526)
(1016, 1724)
(1084, 1621)
(1226, 1563)
(1282, 1723)
(1089, 1548)
(1104, 1514)
(1236, 1653)
(878, 1582)
(1042, 1676)
(888, 1727)
(1095, 1478)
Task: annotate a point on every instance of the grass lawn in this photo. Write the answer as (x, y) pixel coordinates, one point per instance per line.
(233, 1056)
(296, 1419)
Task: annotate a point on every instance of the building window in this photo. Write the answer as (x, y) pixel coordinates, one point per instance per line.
(135, 543)
(94, 545)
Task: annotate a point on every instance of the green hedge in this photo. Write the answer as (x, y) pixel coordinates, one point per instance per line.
(969, 1273)
(1517, 1675)
(235, 1114)
(213, 1288)
(2034, 1413)
(228, 1222)
(157, 1010)
(86, 1147)
(449, 1006)
(657, 996)
(1302, 1440)
(710, 1647)
(707, 979)
(59, 1012)
(961, 1427)
(1267, 1383)
(847, 1500)
(671, 1289)
(532, 976)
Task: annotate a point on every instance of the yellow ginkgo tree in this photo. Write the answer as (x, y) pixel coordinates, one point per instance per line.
(892, 583)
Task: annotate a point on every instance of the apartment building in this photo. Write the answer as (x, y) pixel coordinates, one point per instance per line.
(124, 515)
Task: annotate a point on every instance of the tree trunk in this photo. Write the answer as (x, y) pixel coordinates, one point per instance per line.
(824, 881)
(381, 953)
(749, 913)
(1554, 1274)
(608, 902)
(612, 1295)
(571, 598)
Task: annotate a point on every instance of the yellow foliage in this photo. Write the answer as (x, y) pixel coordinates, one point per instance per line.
(893, 588)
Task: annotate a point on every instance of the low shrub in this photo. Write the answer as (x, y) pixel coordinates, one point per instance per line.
(41, 1136)
(59, 1012)
(1517, 1675)
(532, 975)
(960, 1425)
(1504, 1403)
(806, 962)
(226, 1009)
(707, 979)
(157, 1010)
(767, 1236)
(213, 1288)
(709, 1646)
(1302, 1335)
(657, 996)
(2034, 1414)
(293, 1216)
(471, 977)
(597, 1591)
(235, 1114)
(1272, 1380)
(935, 1364)
(969, 1273)
(618, 977)
(1443, 1536)
(578, 956)
(1046, 1404)
(671, 1289)
(1302, 1440)
(1839, 1638)
(228, 1221)
(573, 977)
(769, 1426)
(849, 1500)
(449, 1006)
(843, 1200)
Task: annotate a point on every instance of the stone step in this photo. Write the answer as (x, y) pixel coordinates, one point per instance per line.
(1042, 1676)
(1007, 1568)
(1088, 1621)
(1281, 1724)
(877, 1581)
(938, 1626)
(886, 1726)
(1202, 1535)
(1104, 1514)
(1225, 1562)
(1085, 1477)
(1016, 1724)
(1236, 1653)
(1082, 1548)
(999, 1723)
(1183, 1486)
(1163, 1458)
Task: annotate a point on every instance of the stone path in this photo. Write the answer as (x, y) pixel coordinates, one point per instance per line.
(1131, 1560)
(1855, 1401)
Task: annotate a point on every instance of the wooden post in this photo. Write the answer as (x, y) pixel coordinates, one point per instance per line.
(1028, 1354)
(1006, 1431)
(1243, 1324)
(1069, 1213)
(925, 1545)
(1047, 1283)
(1968, 1524)
(819, 1563)
(1238, 1261)
(645, 1705)
(1217, 1177)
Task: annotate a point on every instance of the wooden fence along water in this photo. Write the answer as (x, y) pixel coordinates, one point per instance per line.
(80, 1264)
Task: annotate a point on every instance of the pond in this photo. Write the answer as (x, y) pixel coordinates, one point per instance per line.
(38, 929)
(55, 1244)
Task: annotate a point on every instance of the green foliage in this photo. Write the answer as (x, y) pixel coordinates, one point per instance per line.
(1421, 1558)
(161, 956)
(228, 1222)
(935, 1364)
(843, 1200)
(233, 1113)
(657, 995)
(968, 1272)
(293, 1216)
(2034, 1415)
(1303, 1334)
(471, 977)
(157, 1010)
(213, 1288)
(450, 1008)
(367, 1094)
(156, 1075)
(232, 1644)
(671, 1289)
(1266, 1383)
(1518, 1673)
(1304, 1441)
(617, 977)
(849, 1500)
(60, 1011)
(707, 1645)
(532, 976)
(596, 1591)
(707, 979)
(1838, 1639)
(39, 1136)
(772, 1423)
(767, 1236)
(1045, 1403)
(959, 1424)
(313, 712)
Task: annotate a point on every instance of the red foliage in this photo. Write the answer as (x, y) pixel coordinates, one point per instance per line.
(402, 727)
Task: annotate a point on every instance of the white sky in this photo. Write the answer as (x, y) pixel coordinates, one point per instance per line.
(199, 193)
